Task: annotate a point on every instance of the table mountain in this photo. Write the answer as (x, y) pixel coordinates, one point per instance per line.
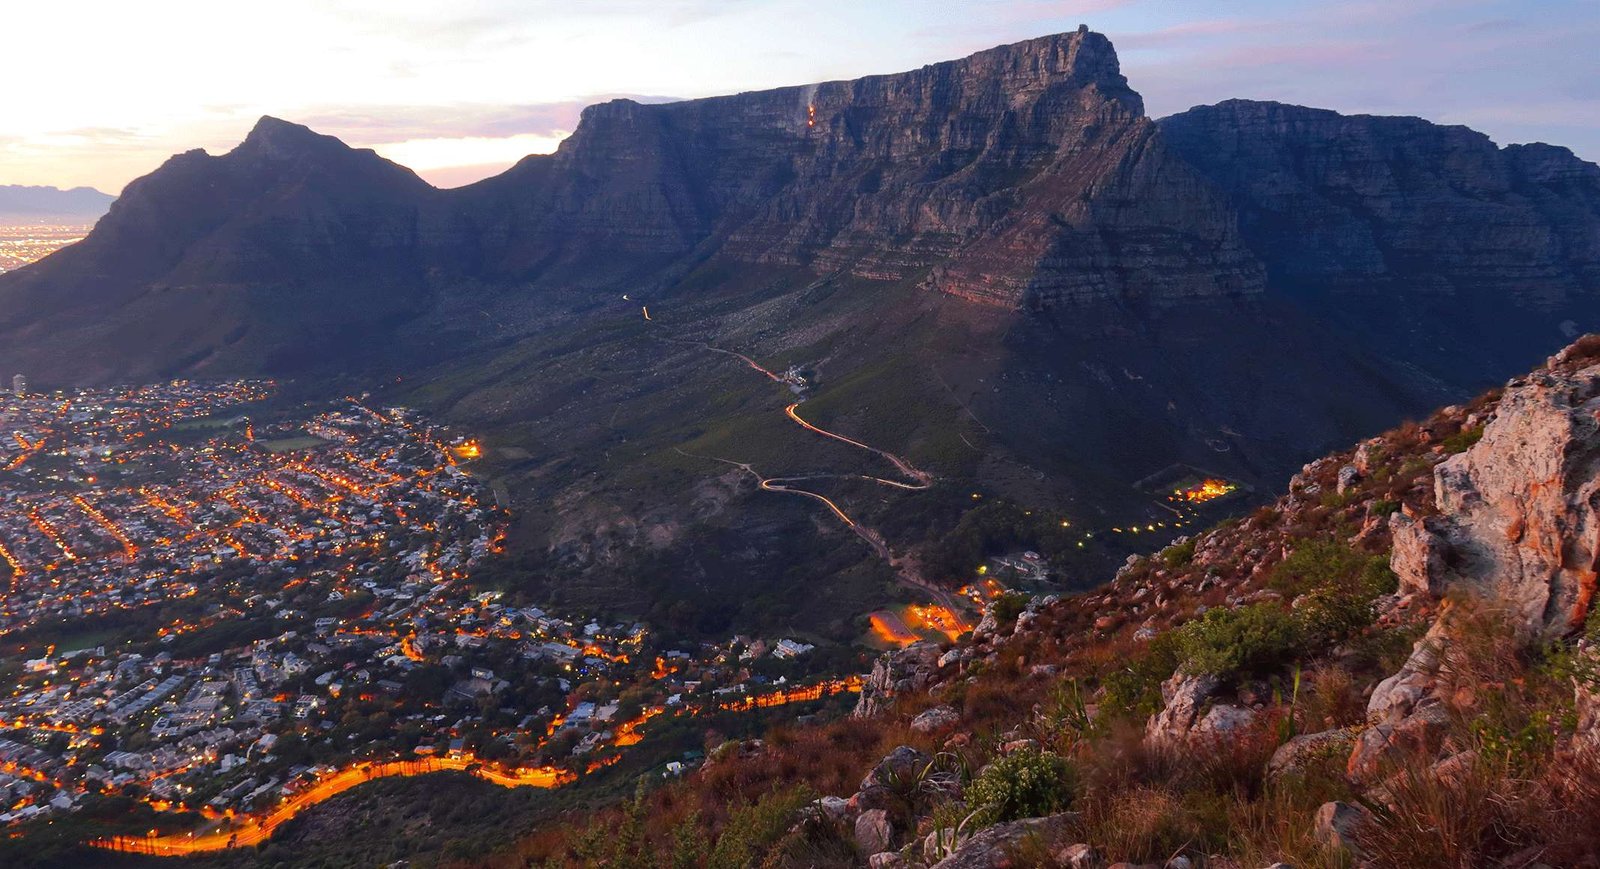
(1007, 175)
(1025, 176)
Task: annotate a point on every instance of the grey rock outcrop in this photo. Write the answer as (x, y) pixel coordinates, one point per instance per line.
(1300, 752)
(894, 673)
(1518, 522)
(990, 848)
(935, 719)
(1406, 714)
(874, 831)
(902, 763)
(1418, 556)
(1188, 714)
(1183, 701)
(1337, 825)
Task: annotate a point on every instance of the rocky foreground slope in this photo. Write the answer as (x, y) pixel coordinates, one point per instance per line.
(1395, 664)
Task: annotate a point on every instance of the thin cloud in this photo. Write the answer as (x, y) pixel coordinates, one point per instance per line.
(368, 124)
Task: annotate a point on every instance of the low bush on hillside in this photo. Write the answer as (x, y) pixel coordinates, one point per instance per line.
(1179, 554)
(1252, 639)
(1328, 564)
(1133, 688)
(1463, 440)
(1024, 784)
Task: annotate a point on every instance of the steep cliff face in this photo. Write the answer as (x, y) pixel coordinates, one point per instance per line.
(1009, 174)
(1023, 172)
(1358, 202)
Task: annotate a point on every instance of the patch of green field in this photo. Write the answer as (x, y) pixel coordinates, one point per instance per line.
(87, 639)
(284, 445)
(206, 422)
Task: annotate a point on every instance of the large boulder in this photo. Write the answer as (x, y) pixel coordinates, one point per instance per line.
(1406, 712)
(1381, 748)
(1183, 699)
(1188, 714)
(902, 763)
(1337, 825)
(874, 831)
(1419, 553)
(1221, 720)
(894, 673)
(1416, 683)
(1518, 510)
(935, 719)
(992, 847)
(833, 808)
(1300, 753)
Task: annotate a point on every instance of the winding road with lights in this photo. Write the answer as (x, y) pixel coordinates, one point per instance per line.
(919, 479)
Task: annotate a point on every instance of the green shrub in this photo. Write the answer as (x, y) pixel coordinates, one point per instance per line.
(1008, 606)
(689, 846)
(1328, 564)
(1462, 440)
(1179, 555)
(1383, 507)
(1134, 689)
(754, 828)
(1327, 616)
(1024, 784)
(1249, 639)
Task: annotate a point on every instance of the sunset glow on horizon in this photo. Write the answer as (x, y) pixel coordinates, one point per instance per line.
(110, 89)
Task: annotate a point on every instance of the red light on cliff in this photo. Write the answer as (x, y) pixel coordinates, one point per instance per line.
(811, 116)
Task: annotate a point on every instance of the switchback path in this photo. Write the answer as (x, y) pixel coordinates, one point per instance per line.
(922, 477)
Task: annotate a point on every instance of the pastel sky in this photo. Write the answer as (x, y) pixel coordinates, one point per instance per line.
(98, 92)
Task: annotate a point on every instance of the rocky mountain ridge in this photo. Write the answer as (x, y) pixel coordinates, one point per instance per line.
(1023, 177)
(1378, 204)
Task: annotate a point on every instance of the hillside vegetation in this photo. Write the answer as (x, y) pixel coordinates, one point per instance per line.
(1353, 675)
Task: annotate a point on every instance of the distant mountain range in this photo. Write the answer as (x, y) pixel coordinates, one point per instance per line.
(80, 204)
(998, 266)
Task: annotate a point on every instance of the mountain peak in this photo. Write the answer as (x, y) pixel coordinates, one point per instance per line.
(275, 137)
(1081, 58)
